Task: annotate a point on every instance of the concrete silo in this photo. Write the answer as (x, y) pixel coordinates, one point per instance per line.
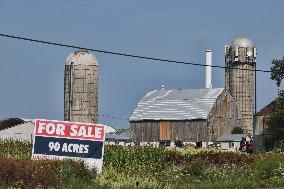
(81, 87)
(240, 58)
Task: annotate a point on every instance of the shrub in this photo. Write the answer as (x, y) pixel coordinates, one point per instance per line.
(221, 158)
(237, 130)
(26, 173)
(69, 170)
(174, 157)
(227, 173)
(111, 178)
(279, 146)
(195, 168)
(269, 167)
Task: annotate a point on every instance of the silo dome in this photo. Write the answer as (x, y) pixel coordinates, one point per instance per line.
(81, 57)
(242, 42)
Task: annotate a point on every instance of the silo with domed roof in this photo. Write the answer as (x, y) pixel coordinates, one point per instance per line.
(81, 87)
(240, 59)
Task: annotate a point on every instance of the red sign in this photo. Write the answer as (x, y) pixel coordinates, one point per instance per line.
(62, 139)
(71, 130)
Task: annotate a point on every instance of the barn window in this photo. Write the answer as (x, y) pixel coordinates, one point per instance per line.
(198, 144)
(165, 130)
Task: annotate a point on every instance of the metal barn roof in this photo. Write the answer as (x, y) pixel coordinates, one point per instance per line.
(177, 104)
(119, 137)
(231, 138)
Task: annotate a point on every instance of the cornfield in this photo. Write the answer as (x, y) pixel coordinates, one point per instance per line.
(15, 149)
(144, 167)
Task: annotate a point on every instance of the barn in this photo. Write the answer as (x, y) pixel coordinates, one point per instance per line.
(189, 115)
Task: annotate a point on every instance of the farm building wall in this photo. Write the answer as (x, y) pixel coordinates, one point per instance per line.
(155, 131)
(224, 116)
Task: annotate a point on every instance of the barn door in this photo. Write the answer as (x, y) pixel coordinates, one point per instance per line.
(165, 130)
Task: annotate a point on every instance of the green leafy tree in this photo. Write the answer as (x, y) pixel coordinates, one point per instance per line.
(275, 120)
(237, 130)
(120, 131)
(277, 71)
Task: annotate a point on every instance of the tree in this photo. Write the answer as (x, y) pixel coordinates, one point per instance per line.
(120, 131)
(275, 120)
(277, 71)
(237, 130)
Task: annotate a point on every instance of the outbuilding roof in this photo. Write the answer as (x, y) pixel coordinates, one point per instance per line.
(118, 137)
(177, 104)
(231, 138)
(267, 109)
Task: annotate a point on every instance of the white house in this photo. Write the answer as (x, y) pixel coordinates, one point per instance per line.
(231, 142)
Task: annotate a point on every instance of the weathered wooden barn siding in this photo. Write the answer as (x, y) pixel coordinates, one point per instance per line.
(155, 131)
(223, 116)
(189, 131)
(146, 131)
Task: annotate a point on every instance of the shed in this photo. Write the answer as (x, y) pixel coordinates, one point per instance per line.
(231, 142)
(190, 115)
(120, 139)
(261, 115)
(20, 132)
(263, 136)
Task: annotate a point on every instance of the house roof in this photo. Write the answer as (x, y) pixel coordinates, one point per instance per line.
(119, 137)
(25, 128)
(177, 104)
(11, 122)
(267, 109)
(231, 137)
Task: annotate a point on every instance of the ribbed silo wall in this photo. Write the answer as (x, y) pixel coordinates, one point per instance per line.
(81, 93)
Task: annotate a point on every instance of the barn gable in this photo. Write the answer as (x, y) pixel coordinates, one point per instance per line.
(224, 116)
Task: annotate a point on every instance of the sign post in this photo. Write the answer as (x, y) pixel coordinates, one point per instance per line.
(69, 140)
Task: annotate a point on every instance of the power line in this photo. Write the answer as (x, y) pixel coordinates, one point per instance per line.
(108, 116)
(175, 21)
(123, 54)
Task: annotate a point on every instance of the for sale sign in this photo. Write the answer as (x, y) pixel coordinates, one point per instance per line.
(61, 139)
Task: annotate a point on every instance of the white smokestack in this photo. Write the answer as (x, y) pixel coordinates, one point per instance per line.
(208, 84)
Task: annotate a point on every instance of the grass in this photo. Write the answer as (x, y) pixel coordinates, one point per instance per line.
(138, 167)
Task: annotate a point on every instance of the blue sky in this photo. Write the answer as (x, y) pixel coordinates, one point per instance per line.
(31, 75)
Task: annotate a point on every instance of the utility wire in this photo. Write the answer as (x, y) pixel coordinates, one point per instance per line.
(174, 21)
(123, 54)
(108, 116)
